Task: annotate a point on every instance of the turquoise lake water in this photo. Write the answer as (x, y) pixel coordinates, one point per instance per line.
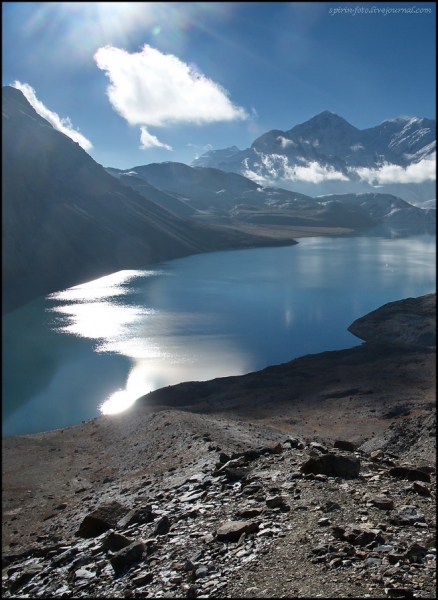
(97, 347)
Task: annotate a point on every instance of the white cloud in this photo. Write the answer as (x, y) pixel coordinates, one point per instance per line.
(150, 88)
(356, 147)
(64, 125)
(285, 143)
(424, 170)
(276, 167)
(316, 173)
(147, 140)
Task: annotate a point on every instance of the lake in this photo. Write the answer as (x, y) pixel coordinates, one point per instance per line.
(95, 348)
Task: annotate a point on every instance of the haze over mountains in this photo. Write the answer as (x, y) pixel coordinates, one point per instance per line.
(326, 154)
(67, 221)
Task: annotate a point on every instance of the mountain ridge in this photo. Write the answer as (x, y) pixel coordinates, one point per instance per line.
(215, 195)
(66, 220)
(327, 154)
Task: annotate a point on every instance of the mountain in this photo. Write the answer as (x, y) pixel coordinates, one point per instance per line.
(326, 154)
(149, 191)
(199, 187)
(66, 220)
(384, 208)
(216, 195)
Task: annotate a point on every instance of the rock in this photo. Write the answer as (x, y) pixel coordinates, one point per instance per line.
(163, 526)
(202, 571)
(295, 442)
(410, 474)
(274, 501)
(143, 515)
(232, 530)
(376, 455)
(333, 466)
(105, 517)
(382, 502)
(84, 574)
(223, 458)
(319, 447)
(236, 474)
(250, 455)
(125, 556)
(344, 445)
(399, 593)
(249, 513)
(395, 557)
(335, 562)
(324, 522)
(373, 562)
(28, 573)
(417, 551)
(65, 557)
(192, 496)
(276, 448)
(364, 538)
(421, 488)
(142, 578)
(407, 516)
(330, 506)
(115, 541)
(251, 489)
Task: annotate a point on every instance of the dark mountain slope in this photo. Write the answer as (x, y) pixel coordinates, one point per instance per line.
(147, 190)
(67, 221)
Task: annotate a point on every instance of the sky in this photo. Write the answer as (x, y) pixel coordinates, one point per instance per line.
(139, 83)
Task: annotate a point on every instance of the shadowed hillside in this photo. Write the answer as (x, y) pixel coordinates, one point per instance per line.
(67, 221)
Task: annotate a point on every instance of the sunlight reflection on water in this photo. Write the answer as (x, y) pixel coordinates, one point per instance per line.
(226, 314)
(158, 347)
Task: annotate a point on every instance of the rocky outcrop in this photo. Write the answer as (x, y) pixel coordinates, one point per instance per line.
(409, 322)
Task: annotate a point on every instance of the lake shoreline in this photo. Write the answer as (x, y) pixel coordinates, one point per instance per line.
(360, 391)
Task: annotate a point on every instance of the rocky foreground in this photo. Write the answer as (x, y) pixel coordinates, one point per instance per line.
(315, 478)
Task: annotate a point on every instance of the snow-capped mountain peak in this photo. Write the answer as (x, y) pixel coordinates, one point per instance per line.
(327, 154)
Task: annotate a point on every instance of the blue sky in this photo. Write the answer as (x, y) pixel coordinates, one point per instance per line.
(153, 82)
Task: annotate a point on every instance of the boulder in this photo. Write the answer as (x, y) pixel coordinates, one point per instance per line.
(105, 517)
(382, 502)
(128, 555)
(333, 466)
(232, 530)
(115, 541)
(344, 445)
(163, 526)
(410, 474)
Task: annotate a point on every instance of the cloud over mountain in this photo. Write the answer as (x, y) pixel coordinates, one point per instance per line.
(64, 125)
(425, 170)
(149, 88)
(326, 155)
